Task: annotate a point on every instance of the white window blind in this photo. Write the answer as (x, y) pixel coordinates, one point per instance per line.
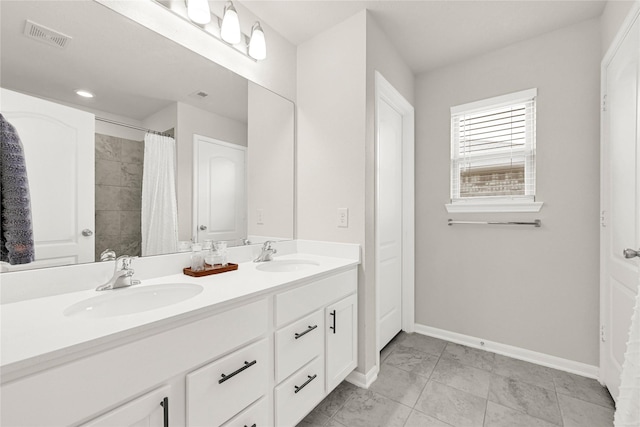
(493, 149)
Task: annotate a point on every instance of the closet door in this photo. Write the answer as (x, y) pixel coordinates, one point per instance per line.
(620, 203)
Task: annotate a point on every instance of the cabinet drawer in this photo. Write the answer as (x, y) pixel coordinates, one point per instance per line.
(255, 415)
(298, 302)
(299, 394)
(219, 390)
(298, 343)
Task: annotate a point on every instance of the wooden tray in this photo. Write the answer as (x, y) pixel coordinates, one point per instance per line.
(209, 270)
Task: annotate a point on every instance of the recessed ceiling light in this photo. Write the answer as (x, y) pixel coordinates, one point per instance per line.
(84, 93)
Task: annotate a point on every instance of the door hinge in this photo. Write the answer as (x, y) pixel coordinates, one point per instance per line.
(603, 218)
(603, 336)
(604, 102)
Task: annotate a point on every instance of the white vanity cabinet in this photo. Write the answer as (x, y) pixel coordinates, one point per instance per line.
(263, 360)
(103, 383)
(316, 343)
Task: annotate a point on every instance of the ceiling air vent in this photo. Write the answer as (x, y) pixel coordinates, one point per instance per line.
(46, 35)
(199, 95)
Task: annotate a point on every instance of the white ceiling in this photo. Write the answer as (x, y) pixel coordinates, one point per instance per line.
(132, 71)
(429, 34)
(135, 72)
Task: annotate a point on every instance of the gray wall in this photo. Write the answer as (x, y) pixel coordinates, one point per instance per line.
(531, 288)
(270, 163)
(336, 145)
(118, 195)
(612, 17)
(331, 145)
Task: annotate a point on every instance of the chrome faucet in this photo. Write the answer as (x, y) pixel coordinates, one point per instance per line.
(121, 277)
(267, 252)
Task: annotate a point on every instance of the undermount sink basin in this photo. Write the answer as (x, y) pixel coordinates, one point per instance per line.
(119, 302)
(286, 265)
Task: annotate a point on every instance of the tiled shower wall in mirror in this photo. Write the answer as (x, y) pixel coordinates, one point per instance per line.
(118, 195)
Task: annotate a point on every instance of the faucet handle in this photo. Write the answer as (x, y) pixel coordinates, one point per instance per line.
(267, 245)
(126, 261)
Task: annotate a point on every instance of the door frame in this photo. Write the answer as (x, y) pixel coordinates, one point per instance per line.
(384, 91)
(196, 169)
(604, 333)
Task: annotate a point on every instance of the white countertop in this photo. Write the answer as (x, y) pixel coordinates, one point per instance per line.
(37, 332)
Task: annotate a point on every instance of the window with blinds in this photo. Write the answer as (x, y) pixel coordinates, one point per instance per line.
(493, 149)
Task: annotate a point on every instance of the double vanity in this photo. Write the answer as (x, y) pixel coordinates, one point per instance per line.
(260, 346)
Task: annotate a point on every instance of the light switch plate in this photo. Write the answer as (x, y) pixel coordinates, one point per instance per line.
(343, 217)
(260, 216)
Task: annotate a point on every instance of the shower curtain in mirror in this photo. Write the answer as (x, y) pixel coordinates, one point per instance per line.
(159, 205)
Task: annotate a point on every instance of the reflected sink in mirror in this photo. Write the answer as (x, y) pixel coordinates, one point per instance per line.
(120, 302)
(287, 265)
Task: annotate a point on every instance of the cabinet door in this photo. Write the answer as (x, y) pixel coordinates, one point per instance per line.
(150, 410)
(342, 339)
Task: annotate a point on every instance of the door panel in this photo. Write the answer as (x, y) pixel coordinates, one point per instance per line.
(620, 204)
(389, 223)
(59, 148)
(221, 205)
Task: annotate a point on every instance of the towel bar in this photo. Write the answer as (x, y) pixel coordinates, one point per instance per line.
(535, 223)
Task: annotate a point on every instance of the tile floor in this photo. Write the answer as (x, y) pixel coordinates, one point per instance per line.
(426, 382)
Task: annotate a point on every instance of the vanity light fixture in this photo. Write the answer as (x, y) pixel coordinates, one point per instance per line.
(257, 43)
(230, 27)
(198, 11)
(225, 29)
(84, 93)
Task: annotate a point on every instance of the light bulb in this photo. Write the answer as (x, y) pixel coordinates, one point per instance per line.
(230, 28)
(198, 11)
(257, 43)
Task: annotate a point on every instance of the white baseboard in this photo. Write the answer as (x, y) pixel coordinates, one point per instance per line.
(363, 380)
(547, 360)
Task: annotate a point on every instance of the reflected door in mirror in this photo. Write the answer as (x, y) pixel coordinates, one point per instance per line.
(220, 180)
(59, 151)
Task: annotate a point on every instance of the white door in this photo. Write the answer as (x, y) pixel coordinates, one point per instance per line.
(620, 204)
(220, 188)
(389, 222)
(59, 149)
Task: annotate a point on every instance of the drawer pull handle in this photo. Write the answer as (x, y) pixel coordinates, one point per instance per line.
(333, 313)
(252, 425)
(234, 373)
(309, 329)
(165, 406)
(311, 378)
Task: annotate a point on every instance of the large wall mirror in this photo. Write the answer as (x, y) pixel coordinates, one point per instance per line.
(91, 173)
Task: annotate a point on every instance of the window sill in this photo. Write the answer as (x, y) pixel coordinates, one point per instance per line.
(502, 206)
